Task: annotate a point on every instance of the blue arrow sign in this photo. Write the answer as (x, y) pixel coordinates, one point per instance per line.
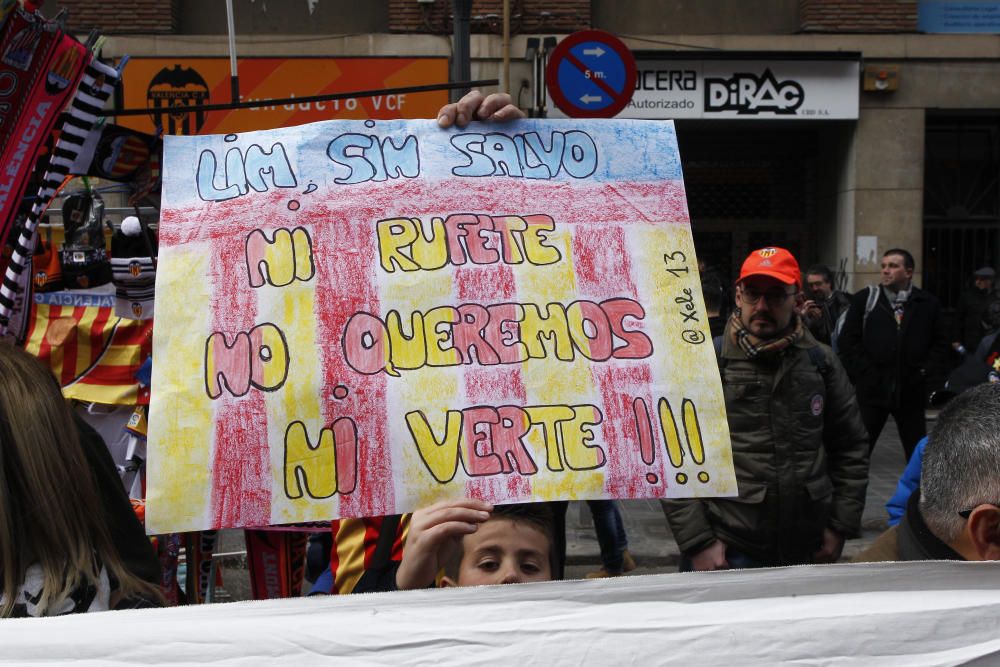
(593, 74)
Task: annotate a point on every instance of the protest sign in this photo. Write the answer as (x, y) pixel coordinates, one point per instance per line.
(362, 318)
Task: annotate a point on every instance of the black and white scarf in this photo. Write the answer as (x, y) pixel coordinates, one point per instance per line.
(85, 598)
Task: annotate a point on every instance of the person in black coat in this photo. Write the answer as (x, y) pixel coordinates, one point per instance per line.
(886, 344)
(970, 325)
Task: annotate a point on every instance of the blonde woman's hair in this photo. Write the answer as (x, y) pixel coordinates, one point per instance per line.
(50, 513)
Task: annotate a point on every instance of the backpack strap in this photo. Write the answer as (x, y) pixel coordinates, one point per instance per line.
(837, 328)
(870, 304)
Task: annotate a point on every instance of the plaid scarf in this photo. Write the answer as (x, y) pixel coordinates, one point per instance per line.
(753, 346)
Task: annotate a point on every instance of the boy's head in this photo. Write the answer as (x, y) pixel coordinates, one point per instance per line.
(513, 546)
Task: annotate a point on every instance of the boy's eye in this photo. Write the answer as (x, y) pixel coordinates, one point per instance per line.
(488, 564)
(531, 568)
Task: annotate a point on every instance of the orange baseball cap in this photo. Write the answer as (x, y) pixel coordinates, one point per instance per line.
(777, 263)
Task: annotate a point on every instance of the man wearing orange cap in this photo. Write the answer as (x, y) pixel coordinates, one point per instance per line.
(800, 449)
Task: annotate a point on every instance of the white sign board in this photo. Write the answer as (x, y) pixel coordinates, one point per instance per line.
(744, 89)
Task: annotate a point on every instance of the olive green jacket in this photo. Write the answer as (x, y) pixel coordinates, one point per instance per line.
(800, 451)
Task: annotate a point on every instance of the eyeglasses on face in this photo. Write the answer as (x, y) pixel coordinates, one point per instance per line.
(966, 513)
(774, 297)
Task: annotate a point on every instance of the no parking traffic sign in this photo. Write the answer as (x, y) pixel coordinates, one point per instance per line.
(591, 74)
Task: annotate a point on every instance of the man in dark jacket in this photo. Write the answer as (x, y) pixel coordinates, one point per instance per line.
(956, 513)
(800, 450)
(890, 334)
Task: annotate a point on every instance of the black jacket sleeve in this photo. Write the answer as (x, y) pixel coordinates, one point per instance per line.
(127, 534)
(850, 343)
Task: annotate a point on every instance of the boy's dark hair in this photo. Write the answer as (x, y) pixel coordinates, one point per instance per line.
(908, 262)
(536, 515)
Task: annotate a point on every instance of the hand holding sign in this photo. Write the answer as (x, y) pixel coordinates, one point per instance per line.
(497, 107)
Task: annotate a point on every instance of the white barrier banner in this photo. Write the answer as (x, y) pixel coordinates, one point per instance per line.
(879, 614)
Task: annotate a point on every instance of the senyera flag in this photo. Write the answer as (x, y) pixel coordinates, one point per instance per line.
(93, 353)
(366, 317)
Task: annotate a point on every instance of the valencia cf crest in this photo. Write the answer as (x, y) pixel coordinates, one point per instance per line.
(170, 93)
(20, 50)
(134, 268)
(63, 72)
(137, 309)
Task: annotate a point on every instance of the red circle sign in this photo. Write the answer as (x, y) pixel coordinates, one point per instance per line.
(591, 74)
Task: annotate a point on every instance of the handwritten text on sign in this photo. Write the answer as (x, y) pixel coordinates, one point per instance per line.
(358, 319)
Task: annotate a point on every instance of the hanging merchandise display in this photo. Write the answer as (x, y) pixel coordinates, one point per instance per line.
(41, 66)
(84, 256)
(6, 7)
(94, 89)
(276, 560)
(133, 265)
(147, 177)
(24, 285)
(46, 268)
(133, 467)
(94, 354)
(200, 576)
(114, 153)
(168, 549)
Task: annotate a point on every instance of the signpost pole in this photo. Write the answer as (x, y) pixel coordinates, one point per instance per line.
(461, 65)
(506, 47)
(234, 79)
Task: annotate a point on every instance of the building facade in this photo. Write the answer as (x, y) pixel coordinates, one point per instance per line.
(904, 152)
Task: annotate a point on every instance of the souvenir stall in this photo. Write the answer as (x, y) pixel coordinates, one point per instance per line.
(78, 222)
(79, 212)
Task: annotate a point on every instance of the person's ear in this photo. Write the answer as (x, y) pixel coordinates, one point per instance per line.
(984, 531)
(447, 582)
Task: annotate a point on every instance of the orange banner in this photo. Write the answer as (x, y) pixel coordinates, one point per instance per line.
(167, 85)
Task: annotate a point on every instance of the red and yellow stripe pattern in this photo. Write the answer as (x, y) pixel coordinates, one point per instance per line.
(94, 354)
